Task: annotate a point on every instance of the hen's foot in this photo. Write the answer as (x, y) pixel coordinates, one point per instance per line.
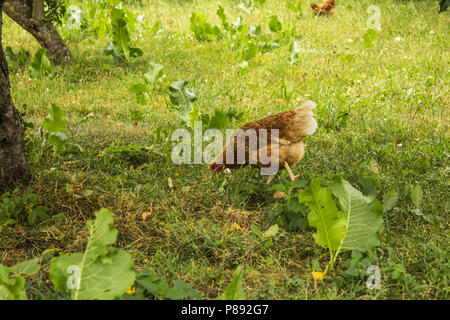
(291, 175)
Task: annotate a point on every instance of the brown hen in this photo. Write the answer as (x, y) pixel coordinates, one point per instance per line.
(272, 143)
(324, 9)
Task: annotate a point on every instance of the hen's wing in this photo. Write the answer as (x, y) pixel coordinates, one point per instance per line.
(269, 149)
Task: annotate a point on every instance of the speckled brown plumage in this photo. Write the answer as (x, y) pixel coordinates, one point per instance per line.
(293, 126)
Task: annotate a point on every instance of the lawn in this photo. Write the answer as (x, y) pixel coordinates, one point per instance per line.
(383, 112)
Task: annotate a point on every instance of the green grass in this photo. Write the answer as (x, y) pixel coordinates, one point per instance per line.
(396, 95)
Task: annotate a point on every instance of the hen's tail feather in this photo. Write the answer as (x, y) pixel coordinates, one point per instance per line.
(305, 118)
(309, 105)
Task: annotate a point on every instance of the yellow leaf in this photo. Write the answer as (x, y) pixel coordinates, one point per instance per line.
(317, 275)
(235, 226)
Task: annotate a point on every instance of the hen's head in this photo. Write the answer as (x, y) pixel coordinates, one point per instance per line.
(216, 167)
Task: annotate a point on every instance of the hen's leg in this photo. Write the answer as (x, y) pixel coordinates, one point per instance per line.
(286, 165)
(269, 180)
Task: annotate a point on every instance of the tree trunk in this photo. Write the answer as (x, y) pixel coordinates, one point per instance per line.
(29, 14)
(13, 163)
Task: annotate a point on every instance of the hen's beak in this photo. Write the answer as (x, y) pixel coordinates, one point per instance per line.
(216, 167)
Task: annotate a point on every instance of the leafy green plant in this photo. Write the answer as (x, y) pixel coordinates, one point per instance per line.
(246, 191)
(355, 225)
(234, 291)
(295, 6)
(294, 49)
(248, 52)
(288, 212)
(155, 74)
(148, 284)
(183, 99)
(101, 271)
(40, 65)
(390, 199)
(140, 92)
(13, 288)
(120, 47)
(369, 37)
(22, 57)
(358, 263)
(275, 24)
(265, 237)
(55, 125)
(221, 14)
(220, 119)
(16, 208)
(99, 18)
(202, 29)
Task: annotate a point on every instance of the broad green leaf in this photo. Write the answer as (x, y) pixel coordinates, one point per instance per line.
(57, 140)
(417, 195)
(274, 24)
(194, 115)
(9, 53)
(368, 185)
(32, 217)
(154, 73)
(54, 121)
(4, 274)
(390, 199)
(182, 98)
(279, 187)
(39, 65)
(330, 223)
(120, 48)
(271, 232)
(234, 291)
(23, 56)
(121, 40)
(101, 272)
(28, 268)
(11, 288)
(256, 231)
(363, 216)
